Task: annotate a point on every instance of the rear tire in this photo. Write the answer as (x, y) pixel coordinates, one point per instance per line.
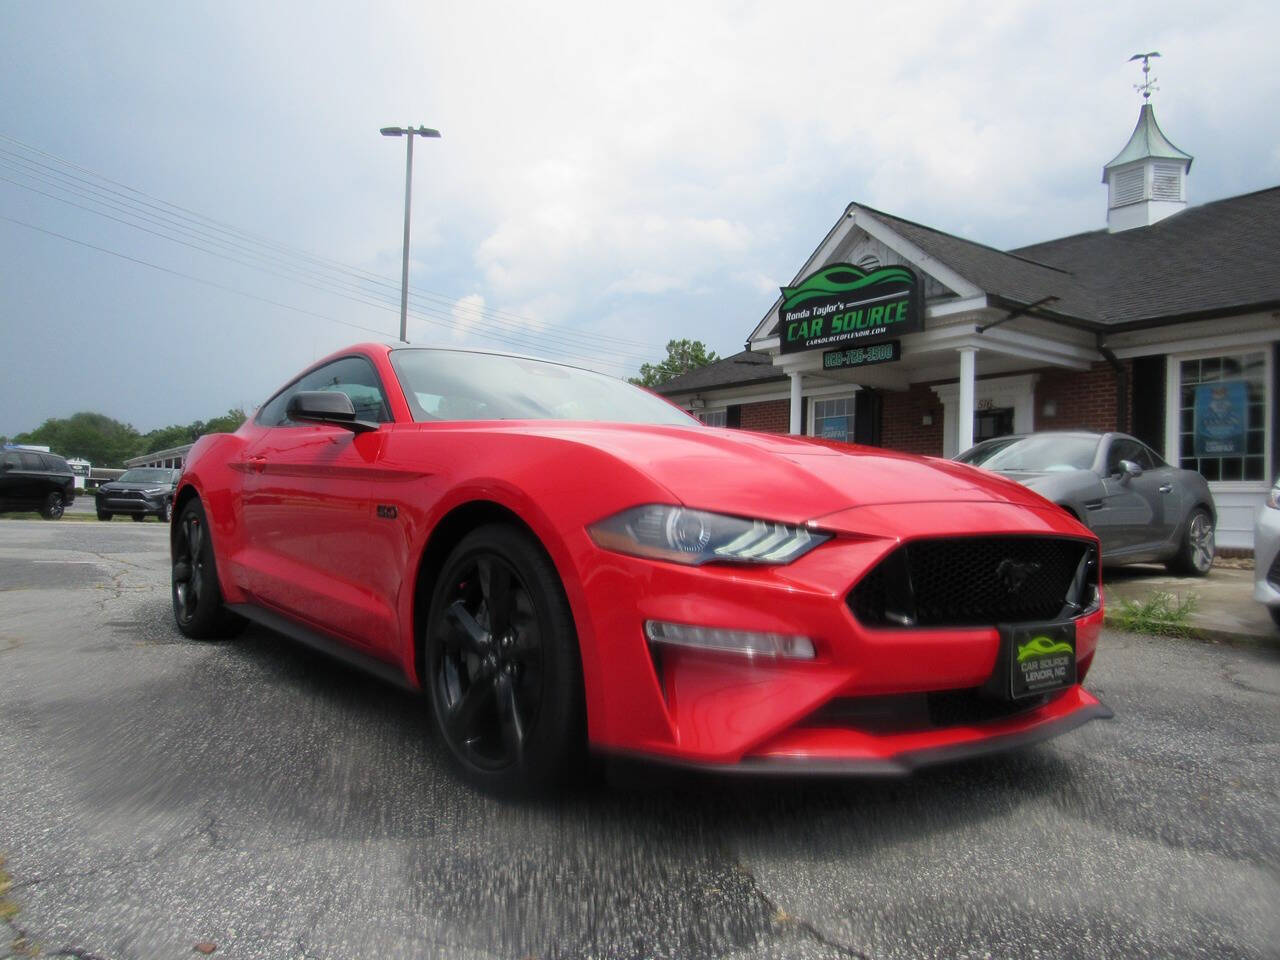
(53, 506)
(502, 668)
(1275, 614)
(197, 599)
(1195, 554)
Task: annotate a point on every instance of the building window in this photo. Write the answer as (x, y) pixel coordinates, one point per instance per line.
(833, 419)
(713, 418)
(1222, 416)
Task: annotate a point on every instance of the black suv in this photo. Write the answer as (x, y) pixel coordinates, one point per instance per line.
(140, 492)
(30, 480)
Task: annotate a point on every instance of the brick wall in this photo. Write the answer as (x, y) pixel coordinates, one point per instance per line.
(903, 428)
(771, 416)
(1085, 400)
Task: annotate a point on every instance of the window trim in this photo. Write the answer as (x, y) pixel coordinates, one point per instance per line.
(1173, 407)
(386, 397)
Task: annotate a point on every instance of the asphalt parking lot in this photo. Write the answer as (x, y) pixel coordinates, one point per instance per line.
(254, 798)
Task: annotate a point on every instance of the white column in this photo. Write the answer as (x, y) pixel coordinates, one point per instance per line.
(797, 426)
(964, 429)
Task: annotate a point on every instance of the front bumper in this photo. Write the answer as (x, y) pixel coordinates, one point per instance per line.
(727, 712)
(1266, 556)
(109, 503)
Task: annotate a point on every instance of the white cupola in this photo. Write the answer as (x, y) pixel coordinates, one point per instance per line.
(1147, 180)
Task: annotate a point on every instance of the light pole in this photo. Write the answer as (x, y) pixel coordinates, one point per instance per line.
(409, 132)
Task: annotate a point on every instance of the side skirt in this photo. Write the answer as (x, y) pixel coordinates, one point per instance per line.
(323, 643)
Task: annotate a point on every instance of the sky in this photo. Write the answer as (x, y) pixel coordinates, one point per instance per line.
(195, 201)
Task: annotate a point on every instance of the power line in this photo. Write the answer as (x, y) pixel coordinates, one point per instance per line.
(546, 340)
(169, 209)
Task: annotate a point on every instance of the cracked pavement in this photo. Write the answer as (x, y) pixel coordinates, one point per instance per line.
(156, 794)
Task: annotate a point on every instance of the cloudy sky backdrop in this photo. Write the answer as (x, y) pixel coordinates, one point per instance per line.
(195, 201)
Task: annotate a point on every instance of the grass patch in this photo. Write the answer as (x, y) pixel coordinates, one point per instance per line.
(1161, 613)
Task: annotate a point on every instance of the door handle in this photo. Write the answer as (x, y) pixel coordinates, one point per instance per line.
(1167, 488)
(257, 464)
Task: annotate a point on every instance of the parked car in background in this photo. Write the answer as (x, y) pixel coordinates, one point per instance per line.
(31, 480)
(1266, 554)
(563, 561)
(1142, 509)
(141, 492)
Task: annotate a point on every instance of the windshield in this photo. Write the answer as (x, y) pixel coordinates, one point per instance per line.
(148, 475)
(983, 451)
(457, 385)
(1046, 453)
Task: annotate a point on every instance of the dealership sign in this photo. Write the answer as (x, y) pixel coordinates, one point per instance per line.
(843, 304)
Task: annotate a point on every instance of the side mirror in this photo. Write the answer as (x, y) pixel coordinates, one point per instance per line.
(1129, 470)
(327, 406)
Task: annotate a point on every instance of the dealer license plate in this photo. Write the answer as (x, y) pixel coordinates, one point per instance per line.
(1041, 657)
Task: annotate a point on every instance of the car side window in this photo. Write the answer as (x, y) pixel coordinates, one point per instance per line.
(353, 376)
(1126, 450)
(12, 461)
(1153, 460)
(32, 461)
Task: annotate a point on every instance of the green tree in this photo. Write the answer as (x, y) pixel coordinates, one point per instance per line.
(229, 422)
(682, 356)
(94, 436)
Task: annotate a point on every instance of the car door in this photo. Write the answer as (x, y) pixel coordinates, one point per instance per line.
(1159, 485)
(307, 508)
(1130, 504)
(14, 481)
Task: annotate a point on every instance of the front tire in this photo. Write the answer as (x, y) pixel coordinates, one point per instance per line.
(166, 512)
(502, 668)
(1195, 553)
(138, 517)
(104, 515)
(197, 599)
(53, 506)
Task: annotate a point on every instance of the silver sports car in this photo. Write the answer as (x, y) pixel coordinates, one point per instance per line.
(1142, 509)
(1266, 554)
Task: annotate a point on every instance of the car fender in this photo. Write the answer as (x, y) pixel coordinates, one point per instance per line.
(210, 473)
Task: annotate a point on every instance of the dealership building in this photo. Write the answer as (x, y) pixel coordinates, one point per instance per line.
(1165, 325)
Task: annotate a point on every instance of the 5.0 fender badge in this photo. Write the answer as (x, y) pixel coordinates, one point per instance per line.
(386, 511)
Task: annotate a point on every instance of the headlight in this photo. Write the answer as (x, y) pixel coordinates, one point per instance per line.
(695, 537)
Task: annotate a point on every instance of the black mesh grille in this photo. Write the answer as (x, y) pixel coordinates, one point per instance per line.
(973, 581)
(1273, 572)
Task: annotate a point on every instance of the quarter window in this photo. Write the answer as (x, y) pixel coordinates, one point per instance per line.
(713, 418)
(353, 376)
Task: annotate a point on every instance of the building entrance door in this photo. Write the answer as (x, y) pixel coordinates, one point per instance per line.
(988, 424)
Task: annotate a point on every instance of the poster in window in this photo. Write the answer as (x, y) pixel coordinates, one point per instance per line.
(1221, 418)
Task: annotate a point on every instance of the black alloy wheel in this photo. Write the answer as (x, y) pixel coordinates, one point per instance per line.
(166, 512)
(197, 599)
(53, 506)
(503, 672)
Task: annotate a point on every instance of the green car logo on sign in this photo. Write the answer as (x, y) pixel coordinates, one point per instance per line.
(842, 303)
(1041, 647)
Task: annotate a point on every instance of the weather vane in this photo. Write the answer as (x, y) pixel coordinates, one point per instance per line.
(1148, 82)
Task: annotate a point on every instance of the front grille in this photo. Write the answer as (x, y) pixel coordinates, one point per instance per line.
(975, 581)
(1273, 572)
(910, 712)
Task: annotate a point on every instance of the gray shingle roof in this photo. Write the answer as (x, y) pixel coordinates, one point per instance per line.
(1212, 259)
(741, 368)
(1217, 257)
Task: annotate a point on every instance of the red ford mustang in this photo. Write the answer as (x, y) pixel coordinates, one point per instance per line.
(563, 561)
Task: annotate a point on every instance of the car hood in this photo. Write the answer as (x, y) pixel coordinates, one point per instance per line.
(785, 478)
(153, 485)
